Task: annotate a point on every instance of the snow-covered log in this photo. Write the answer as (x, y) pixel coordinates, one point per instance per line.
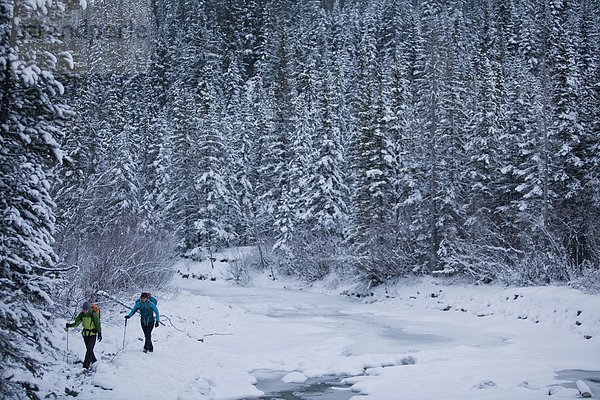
(584, 389)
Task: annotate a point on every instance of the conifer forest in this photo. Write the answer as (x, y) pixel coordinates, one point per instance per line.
(374, 139)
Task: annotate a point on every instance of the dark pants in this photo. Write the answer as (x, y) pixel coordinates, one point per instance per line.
(90, 358)
(148, 334)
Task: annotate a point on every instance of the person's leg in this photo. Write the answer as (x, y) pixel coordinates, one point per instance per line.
(93, 344)
(148, 336)
(90, 342)
(86, 358)
(150, 345)
(145, 336)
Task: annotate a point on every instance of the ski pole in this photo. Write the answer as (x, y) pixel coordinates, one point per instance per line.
(124, 332)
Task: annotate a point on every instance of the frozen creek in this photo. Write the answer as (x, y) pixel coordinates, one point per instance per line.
(390, 338)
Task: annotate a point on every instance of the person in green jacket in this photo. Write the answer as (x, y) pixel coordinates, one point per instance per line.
(91, 330)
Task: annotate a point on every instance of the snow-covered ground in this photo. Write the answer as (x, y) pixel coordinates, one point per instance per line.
(416, 340)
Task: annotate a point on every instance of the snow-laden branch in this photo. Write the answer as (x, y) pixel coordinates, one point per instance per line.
(39, 267)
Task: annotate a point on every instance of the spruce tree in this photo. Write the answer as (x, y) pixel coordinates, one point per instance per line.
(369, 210)
(29, 129)
(570, 143)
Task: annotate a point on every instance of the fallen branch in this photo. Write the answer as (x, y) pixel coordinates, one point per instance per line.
(113, 298)
(180, 330)
(56, 269)
(171, 322)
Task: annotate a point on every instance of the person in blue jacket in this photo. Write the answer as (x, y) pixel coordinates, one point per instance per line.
(146, 305)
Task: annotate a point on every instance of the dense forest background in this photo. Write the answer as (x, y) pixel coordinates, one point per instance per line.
(379, 138)
(374, 139)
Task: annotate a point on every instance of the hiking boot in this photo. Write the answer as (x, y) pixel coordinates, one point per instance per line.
(145, 351)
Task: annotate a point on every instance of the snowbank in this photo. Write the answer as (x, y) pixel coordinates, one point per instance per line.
(556, 307)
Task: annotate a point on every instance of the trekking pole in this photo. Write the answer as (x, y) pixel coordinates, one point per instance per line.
(124, 332)
(67, 352)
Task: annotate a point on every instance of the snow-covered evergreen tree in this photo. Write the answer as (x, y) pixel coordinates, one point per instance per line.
(570, 144)
(29, 129)
(369, 210)
(213, 228)
(280, 168)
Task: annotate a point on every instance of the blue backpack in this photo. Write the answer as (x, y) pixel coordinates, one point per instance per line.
(150, 297)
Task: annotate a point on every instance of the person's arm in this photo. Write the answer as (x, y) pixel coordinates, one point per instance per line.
(77, 321)
(134, 309)
(155, 309)
(96, 319)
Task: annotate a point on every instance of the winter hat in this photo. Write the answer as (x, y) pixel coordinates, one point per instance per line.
(87, 305)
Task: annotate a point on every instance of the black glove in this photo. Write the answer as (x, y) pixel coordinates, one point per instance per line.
(67, 325)
(156, 324)
(127, 317)
(99, 337)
